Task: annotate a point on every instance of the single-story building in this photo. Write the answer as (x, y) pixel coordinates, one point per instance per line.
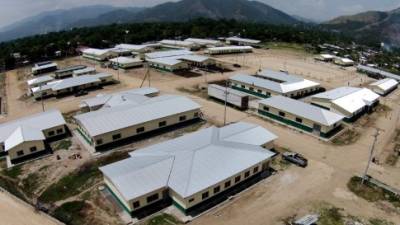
(243, 41)
(98, 54)
(384, 87)
(169, 64)
(191, 170)
(269, 83)
(325, 57)
(25, 138)
(301, 115)
(165, 54)
(197, 60)
(136, 49)
(229, 50)
(343, 61)
(71, 85)
(86, 71)
(44, 67)
(121, 52)
(126, 62)
(68, 71)
(377, 73)
(179, 44)
(204, 42)
(129, 96)
(39, 81)
(125, 120)
(231, 96)
(350, 102)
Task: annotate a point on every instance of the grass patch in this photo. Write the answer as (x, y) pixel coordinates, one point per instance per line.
(30, 184)
(330, 215)
(348, 137)
(163, 219)
(71, 213)
(376, 221)
(12, 187)
(371, 192)
(62, 145)
(13, 172)
(80, 179)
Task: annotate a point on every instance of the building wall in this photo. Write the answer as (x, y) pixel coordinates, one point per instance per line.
(170, 68)
(55, 131)
(26, 149)
(265, 93)
(132, 131)
(327, 104)
(191, 201)
(309, 124)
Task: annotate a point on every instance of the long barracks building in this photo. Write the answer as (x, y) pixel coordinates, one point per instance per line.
(191, 170)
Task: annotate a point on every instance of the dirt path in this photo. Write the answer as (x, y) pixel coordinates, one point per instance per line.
(14, 212)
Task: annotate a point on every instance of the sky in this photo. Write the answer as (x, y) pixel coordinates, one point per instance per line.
(317, 10)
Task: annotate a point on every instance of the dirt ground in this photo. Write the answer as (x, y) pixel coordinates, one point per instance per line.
(13, 212)
(289, 192)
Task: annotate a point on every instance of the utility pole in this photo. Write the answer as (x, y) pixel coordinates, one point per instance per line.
(226, 100)
(370, 156)
(41, 97)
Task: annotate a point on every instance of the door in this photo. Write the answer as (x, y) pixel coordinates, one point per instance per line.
(317, 129)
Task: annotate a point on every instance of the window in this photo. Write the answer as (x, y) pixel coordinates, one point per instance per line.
(152, 198)
(243, 86)
(20, 153)
(33, 149)
(99, 141)
(255, 170)
(136, 204)
(299, 120)
(237, 179)
(162, 123)
(204, 195)
(196, 114)
(116, 136)
(251, 89)
(227, 184)
(282, 114)
(247, 174)
(191, 200)
(217, 189)
(51, 133)
(140, 130)
(266, 108)
(182, 118)
(269, 94)
(59, 131)
(259, 91)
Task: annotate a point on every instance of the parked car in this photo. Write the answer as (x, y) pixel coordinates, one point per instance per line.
(295, 158)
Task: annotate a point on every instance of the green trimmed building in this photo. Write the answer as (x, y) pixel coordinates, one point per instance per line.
(300, 115)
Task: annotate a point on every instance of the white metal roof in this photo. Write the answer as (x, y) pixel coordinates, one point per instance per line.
(246, 40)
(294, 84)
(123, 116)
(39, 80)
(163, 54)
(350, 99)
(70, 68)
(133, 47)
(193, 58)
(385, 84)
(304, 110)
(191, 163)
(227, 48)
(169, 61)
(125, 60)
(177, 43)
(44, 66)
(23, 134)
(27, 127)
(231, 91)
(71, 82)
(383, 73)
(96, 51)
(202, 41)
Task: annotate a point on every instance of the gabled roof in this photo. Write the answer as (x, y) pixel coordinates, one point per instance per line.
(163, 54)
(26, 125)
(350, 99)
(227, 48)
(252, 41)
(96, 51)
(41, 79)
(287, 83)
(125, 60)
(383, 73)
(203, 41)
(170, 61)
(188, 164)
(385, 84)
(122, 116)
(303, 110)
(23, 134)
(71, 68)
